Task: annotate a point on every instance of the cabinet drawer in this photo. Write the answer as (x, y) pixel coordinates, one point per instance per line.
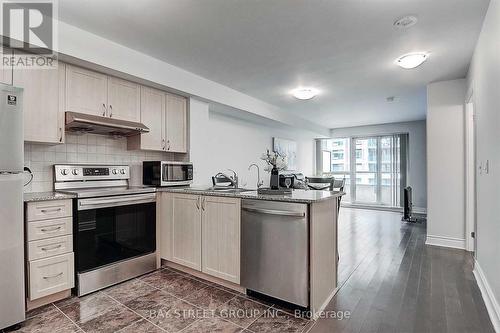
(51, 275)
(44, 210)
(49, 228)
(50, 247)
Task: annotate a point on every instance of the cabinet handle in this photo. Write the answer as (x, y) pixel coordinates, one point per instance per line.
(60, 134)
(50, 229)
(52, 276)
(50, 210)
(198, 203)
(51, 248)
(168, 143)
(163, 144)
(203, 203)
(110, 110)
(105, 109)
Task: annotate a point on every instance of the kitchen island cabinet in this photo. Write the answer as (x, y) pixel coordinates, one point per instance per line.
(200, 230)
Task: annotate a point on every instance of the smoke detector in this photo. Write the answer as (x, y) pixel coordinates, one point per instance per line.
(406, 22)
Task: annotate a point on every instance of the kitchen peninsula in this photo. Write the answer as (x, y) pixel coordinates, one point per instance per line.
(213, 234)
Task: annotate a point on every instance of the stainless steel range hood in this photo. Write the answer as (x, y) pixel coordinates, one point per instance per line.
(84, 123)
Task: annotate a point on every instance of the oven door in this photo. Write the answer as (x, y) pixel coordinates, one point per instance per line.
(111, 229)
(176, 173)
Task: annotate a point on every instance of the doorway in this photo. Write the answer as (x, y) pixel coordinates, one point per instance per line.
(470, 176)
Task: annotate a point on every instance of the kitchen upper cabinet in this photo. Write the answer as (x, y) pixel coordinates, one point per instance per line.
(221, 237)
(86, 91)
(152, 115)
(42, 103)
(186, 230)
(124, 99)
(5, 71)
(176, 124)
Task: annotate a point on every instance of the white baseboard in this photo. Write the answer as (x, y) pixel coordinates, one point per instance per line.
(456, 243)
(489, 298)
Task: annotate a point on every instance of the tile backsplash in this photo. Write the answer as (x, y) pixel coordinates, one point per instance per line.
(88, 148)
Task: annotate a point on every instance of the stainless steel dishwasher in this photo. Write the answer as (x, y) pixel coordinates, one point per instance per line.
(274, 249)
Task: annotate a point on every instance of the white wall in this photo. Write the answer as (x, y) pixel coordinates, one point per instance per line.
(445, 163)
(483, 79)
(219, 142)
(80, 46)
(417, 173)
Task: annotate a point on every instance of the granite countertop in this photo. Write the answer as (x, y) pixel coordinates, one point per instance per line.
(299, 196)
(45, 196)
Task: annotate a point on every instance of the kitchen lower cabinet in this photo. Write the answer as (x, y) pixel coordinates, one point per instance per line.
(185, 230)
(220, 229)
(202, 233)
(43, 99)
(49, 251)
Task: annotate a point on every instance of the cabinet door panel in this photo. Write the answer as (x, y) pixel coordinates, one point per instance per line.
(186, 230)
(86, 91)
(221, 237)
(176, 123)
(152, 115)
(5, 71)
(124, 98)
(42, 103)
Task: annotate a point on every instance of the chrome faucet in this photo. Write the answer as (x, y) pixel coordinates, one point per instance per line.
(259, 182)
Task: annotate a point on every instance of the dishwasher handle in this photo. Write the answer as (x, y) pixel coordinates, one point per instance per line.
(274, 212)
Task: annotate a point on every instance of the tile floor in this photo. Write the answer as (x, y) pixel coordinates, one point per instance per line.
(163, 301)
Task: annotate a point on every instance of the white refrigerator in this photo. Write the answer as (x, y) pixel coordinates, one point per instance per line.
(11, 207)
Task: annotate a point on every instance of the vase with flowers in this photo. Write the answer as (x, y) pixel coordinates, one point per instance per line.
(276, 162)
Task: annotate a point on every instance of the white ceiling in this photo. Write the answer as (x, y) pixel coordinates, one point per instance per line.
(265, 48)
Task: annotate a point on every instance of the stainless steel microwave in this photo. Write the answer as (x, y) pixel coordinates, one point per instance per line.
(166, 173)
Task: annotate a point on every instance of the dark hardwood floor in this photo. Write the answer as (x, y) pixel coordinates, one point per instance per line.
(392, 282)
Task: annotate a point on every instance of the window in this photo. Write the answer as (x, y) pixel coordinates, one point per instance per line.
(359, 154)
(379, 172)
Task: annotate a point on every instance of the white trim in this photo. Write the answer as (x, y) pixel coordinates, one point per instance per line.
(456, 243)
(489, 298)
(470, 176)
(420, 210)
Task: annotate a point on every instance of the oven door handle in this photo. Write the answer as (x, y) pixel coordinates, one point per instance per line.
(95, 203)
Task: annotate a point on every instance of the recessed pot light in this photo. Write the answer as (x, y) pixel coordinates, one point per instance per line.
(412, 60)
(304, 93)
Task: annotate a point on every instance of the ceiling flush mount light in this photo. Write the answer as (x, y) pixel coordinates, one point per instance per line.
(304, 93)
(412, 60)
(406, 22)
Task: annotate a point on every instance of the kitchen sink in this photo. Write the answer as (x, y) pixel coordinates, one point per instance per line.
(220, 189)
(231, 190)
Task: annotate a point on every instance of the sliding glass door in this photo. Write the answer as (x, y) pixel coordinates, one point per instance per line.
(377, 170)
(372, 166)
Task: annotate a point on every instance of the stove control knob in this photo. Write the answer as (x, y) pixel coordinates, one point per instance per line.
(75, 172)
(114, 171)
(122, 171)
(64, 172)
